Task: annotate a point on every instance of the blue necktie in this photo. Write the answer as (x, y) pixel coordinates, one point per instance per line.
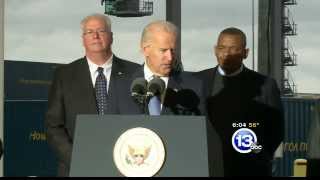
(101, 91)
(154, 106)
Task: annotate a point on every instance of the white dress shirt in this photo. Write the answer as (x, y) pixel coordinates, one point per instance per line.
(148, 75)
(106, 70)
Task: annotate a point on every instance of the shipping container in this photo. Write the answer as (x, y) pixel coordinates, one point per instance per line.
(299, 111)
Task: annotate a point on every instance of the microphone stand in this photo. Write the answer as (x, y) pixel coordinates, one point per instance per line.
(143, 100)
(146, 108)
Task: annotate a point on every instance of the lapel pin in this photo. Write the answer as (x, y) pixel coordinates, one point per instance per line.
(120, 73)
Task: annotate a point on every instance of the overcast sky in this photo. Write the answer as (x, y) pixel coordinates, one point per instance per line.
(48, 31)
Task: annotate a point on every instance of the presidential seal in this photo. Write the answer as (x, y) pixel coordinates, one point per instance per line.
(139, 152)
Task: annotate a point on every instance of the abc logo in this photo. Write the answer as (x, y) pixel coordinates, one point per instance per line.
(255, 148)
(244, 140)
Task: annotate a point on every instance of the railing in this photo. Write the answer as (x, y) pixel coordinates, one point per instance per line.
(289, 85)
(289, 56)
(289, 28)
(289, 2)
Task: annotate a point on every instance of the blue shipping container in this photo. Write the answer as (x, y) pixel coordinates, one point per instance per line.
(299, 111)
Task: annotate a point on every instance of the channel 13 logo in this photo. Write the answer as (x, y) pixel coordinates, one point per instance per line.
(244, 140)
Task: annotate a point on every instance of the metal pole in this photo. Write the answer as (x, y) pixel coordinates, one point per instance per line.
(173, 14)
(270, 40)
(253, 34)
(1, 75)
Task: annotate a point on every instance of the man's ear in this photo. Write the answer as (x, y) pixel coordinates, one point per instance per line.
(245, 53)
(111, 35)
(215, 50)
(145, 48)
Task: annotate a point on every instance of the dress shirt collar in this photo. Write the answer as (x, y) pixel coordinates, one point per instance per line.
(222, 73)
(106, 70)
(148, 75)
(94, 67)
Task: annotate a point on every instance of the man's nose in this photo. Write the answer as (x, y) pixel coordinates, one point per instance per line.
(170, 54)
(95, 34)
(226, 52)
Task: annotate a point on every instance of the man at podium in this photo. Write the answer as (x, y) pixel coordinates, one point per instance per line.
(177, 93)
(158, 88)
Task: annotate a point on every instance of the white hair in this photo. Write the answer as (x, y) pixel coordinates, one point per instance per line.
(158, 25)
(102, 17)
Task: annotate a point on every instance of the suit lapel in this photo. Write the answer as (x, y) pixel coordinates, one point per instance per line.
(85, 86)
(210, 78)
(138, 73)
(173, 86)
(216, 82)
(174, 82)
(117, 72)
(117, 68)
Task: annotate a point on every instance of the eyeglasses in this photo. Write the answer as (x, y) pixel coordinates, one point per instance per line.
(93, 32)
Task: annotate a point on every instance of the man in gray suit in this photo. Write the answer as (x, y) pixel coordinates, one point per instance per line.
(85, 86)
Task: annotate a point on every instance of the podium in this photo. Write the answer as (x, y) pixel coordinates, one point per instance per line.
(186, 139)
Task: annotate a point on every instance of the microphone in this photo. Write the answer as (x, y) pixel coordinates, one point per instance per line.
(155, 87)
(138, 89)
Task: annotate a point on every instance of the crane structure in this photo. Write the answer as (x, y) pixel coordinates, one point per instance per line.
(125, 8)
(139, 8)
(275, 53)
(289, 57)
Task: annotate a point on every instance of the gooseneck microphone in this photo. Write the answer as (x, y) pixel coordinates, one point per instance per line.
(155, 87)
(142, 91)
(138, 90)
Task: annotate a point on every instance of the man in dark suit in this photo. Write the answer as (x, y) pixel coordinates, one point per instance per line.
(183, 93)
(241, 98)
(85, 86)
(158, 44)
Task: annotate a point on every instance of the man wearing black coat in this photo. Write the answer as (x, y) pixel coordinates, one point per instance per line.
(237, 98)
